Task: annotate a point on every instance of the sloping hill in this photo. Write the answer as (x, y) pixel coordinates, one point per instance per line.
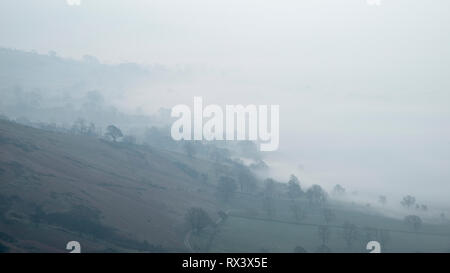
(57, 187)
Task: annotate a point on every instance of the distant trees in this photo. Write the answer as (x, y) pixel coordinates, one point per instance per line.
(91, 130)
(423, 207)
(414, 221)
(316, 195)
(81, 127)
(350, 233)
(226, 188)
(198, 219)
(294, 189)
(408, 201)
(338, 191)
(113, 132)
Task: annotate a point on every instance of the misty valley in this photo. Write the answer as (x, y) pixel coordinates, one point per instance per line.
(75, 167)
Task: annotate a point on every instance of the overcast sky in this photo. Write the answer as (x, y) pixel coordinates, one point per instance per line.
(363, 90)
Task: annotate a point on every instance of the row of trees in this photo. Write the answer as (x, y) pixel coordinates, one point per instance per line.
(410, 202)
(113, 133)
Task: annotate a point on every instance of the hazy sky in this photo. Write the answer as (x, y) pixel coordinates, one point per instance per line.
(363, 90)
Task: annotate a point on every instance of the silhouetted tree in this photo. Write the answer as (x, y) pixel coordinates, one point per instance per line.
(294, 189)
(113, 132)
(198, 219)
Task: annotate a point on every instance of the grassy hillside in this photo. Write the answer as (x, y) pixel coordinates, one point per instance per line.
(248, 228)
(115, 196)
(59, 187)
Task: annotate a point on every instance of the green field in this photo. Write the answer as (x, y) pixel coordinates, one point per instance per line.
(244, 232)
